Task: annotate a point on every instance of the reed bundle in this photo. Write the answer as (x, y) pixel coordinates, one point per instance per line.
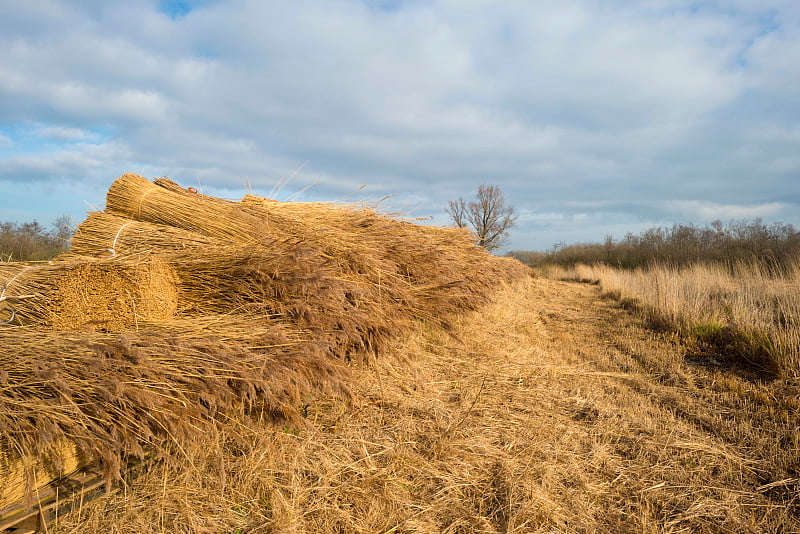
(265, 294)
(137, 198)
(445, 269)
(286, 278)
(71, 292)
(102, 234)
(134, 197)
(350, 315)
(114, 396)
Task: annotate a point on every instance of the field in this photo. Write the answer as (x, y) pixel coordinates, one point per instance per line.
(747, 315)
(249, 366)
(550, 410)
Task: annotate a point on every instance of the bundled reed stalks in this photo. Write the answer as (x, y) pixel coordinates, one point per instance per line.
(102, 234)
(72, 293)
(287, 278)
(445, 269)
(265, 293)
(115, 396)
(137, 198)
(430, 271)
(134, 197)
(350, 315)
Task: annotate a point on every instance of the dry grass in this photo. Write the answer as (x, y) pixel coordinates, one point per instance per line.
(120, 396)
(549, 411)
(750, 314)
(281, 296)
(76, 293)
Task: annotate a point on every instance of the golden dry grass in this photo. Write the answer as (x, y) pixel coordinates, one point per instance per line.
(550, 410)
(750, 313)
(80, 293)
(281, 296)
(546, 409)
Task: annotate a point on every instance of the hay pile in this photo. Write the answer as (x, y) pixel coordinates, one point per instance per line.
(118, 396)
(348, 274)
(270, 300)
(74, 293)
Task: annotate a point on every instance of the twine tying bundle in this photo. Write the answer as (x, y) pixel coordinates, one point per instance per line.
(3, 297)
(113, 250)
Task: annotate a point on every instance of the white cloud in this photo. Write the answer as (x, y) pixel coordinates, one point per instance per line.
(704, 211)
(61, 133)
(622, 103)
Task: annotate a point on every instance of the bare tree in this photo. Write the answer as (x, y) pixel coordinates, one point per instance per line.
(488, 215)
(63, 229)
(457, 210)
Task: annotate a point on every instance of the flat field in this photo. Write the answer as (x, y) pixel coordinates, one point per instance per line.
(553, 409)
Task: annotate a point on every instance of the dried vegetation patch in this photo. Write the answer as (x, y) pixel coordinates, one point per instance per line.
(550, 410)
(746, 315)
(176, 315)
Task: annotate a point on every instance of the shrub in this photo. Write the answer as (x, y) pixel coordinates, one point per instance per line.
(777, 245)
(32, 241)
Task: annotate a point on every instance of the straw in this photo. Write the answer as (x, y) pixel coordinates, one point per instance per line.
(73, 293)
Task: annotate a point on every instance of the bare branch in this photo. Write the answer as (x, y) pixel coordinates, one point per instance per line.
(457, 209)
(488, 215)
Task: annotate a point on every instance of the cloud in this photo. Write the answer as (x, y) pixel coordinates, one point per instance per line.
(656, 110)
(79, 163)
(61, 133)
(703, 211)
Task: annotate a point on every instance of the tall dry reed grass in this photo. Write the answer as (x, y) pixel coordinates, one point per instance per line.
(549, 410)
(749, 312)
(330, 284)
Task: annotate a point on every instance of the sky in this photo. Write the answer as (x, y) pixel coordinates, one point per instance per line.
(594, 117)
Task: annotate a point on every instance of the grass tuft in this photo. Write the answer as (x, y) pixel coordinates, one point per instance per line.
(749, 314)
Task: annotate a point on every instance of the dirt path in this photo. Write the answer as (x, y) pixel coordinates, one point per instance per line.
(597, 424)
(552, 410)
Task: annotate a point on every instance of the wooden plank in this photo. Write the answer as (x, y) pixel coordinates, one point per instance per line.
(53, 498)
(60, 497)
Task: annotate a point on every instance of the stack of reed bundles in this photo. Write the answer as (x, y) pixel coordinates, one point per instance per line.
(77, 293)
(113, 397)
(282, 276)
(266, 293)
(137, 198)
(410, 270)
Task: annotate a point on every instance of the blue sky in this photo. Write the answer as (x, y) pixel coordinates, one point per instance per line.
(595, 117)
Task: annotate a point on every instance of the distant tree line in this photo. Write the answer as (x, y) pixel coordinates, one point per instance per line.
(33, 242)
(775, 244)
